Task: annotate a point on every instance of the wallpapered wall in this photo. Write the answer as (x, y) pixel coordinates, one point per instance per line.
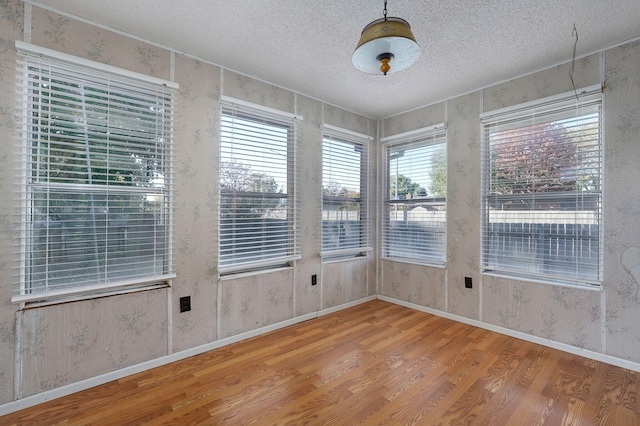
(66, 343)
(48, 347)
(601, 321)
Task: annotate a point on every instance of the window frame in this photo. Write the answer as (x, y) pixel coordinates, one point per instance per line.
(339, 135)
(415, 139)
(247, 112)
(559, 106)
(35, 62)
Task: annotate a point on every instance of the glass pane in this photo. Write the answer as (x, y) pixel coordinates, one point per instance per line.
(91, 135)
(342, 171)
(341, 168)
(550, 156)
(254, 156)
(341, 225)
(255, 215)
(544, 202)
(416, 207)
(253, 228)
(416, 230)
(558, 236)
(92, 238)
(417, 171)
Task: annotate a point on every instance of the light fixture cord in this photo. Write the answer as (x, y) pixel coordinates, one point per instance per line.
(384, 11)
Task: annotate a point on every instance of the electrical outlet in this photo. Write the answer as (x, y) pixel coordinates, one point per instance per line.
(314, 279)
(185, 303)
(467, 282)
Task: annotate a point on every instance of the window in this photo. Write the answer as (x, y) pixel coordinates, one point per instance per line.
(542, 189)
(415, 196)
(258, 203)
(344, 193)
(95, 176)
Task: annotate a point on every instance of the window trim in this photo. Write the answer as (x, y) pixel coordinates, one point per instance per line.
(25, 48)
(28, 53)
(529, 108)
(355, 138)
(547, 105)
(265, 113)
(407, 138)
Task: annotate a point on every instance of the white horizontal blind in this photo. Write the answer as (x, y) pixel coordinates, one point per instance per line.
(95, 173)
(345, 183)
(542, 173)
(258, 214)
(415, 197)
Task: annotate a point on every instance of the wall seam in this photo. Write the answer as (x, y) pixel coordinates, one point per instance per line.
(27, 23)
(219, 283)
(603, 295)
(294, 276)
(322, 106)
(381, 187)
(448, 213)
(18, 361)
(378, 201)
(17, 376)
(172, 76)
(480, 253)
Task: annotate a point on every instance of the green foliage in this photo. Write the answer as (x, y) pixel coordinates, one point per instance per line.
(74, 141)
(401, 188)
(438, 174)
(340, 198)
(244, 194)
(83, 135)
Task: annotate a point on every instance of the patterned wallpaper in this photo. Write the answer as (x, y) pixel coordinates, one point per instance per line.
(11, 28)
(597, 320)
(66, 343)
(622, 201)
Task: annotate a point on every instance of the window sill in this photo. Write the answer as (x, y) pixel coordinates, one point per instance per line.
(567, 284)
(345, 254)
(432, 264)
(242, 274)
(86, 293)
(344, 259)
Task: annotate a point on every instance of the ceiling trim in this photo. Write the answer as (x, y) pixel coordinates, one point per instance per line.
(188, 55)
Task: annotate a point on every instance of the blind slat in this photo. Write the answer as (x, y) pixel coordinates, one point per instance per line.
(345, 187)
(258, 212)
(95, 173)
(415, 197)
(543, 202)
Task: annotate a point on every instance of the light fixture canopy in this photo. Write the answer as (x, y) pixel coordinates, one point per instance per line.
(386, 45)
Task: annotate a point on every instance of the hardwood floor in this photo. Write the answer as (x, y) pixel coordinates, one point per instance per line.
(376, 363)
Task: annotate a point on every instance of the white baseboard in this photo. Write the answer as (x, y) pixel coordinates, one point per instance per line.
(30, 401)
(608, 359)
(91, 382)
(345, 305)
(40, 398)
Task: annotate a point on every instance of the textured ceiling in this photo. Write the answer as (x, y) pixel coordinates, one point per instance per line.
(306, 45)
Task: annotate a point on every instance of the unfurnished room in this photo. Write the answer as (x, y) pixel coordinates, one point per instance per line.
(324, 213)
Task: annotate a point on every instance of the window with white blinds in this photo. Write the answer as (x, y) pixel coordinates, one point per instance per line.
(415, 200)
(345, 164)
(95, 176)
(542, 175)
(258, 217)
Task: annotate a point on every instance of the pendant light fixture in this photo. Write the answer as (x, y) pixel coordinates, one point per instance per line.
(386, 45)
